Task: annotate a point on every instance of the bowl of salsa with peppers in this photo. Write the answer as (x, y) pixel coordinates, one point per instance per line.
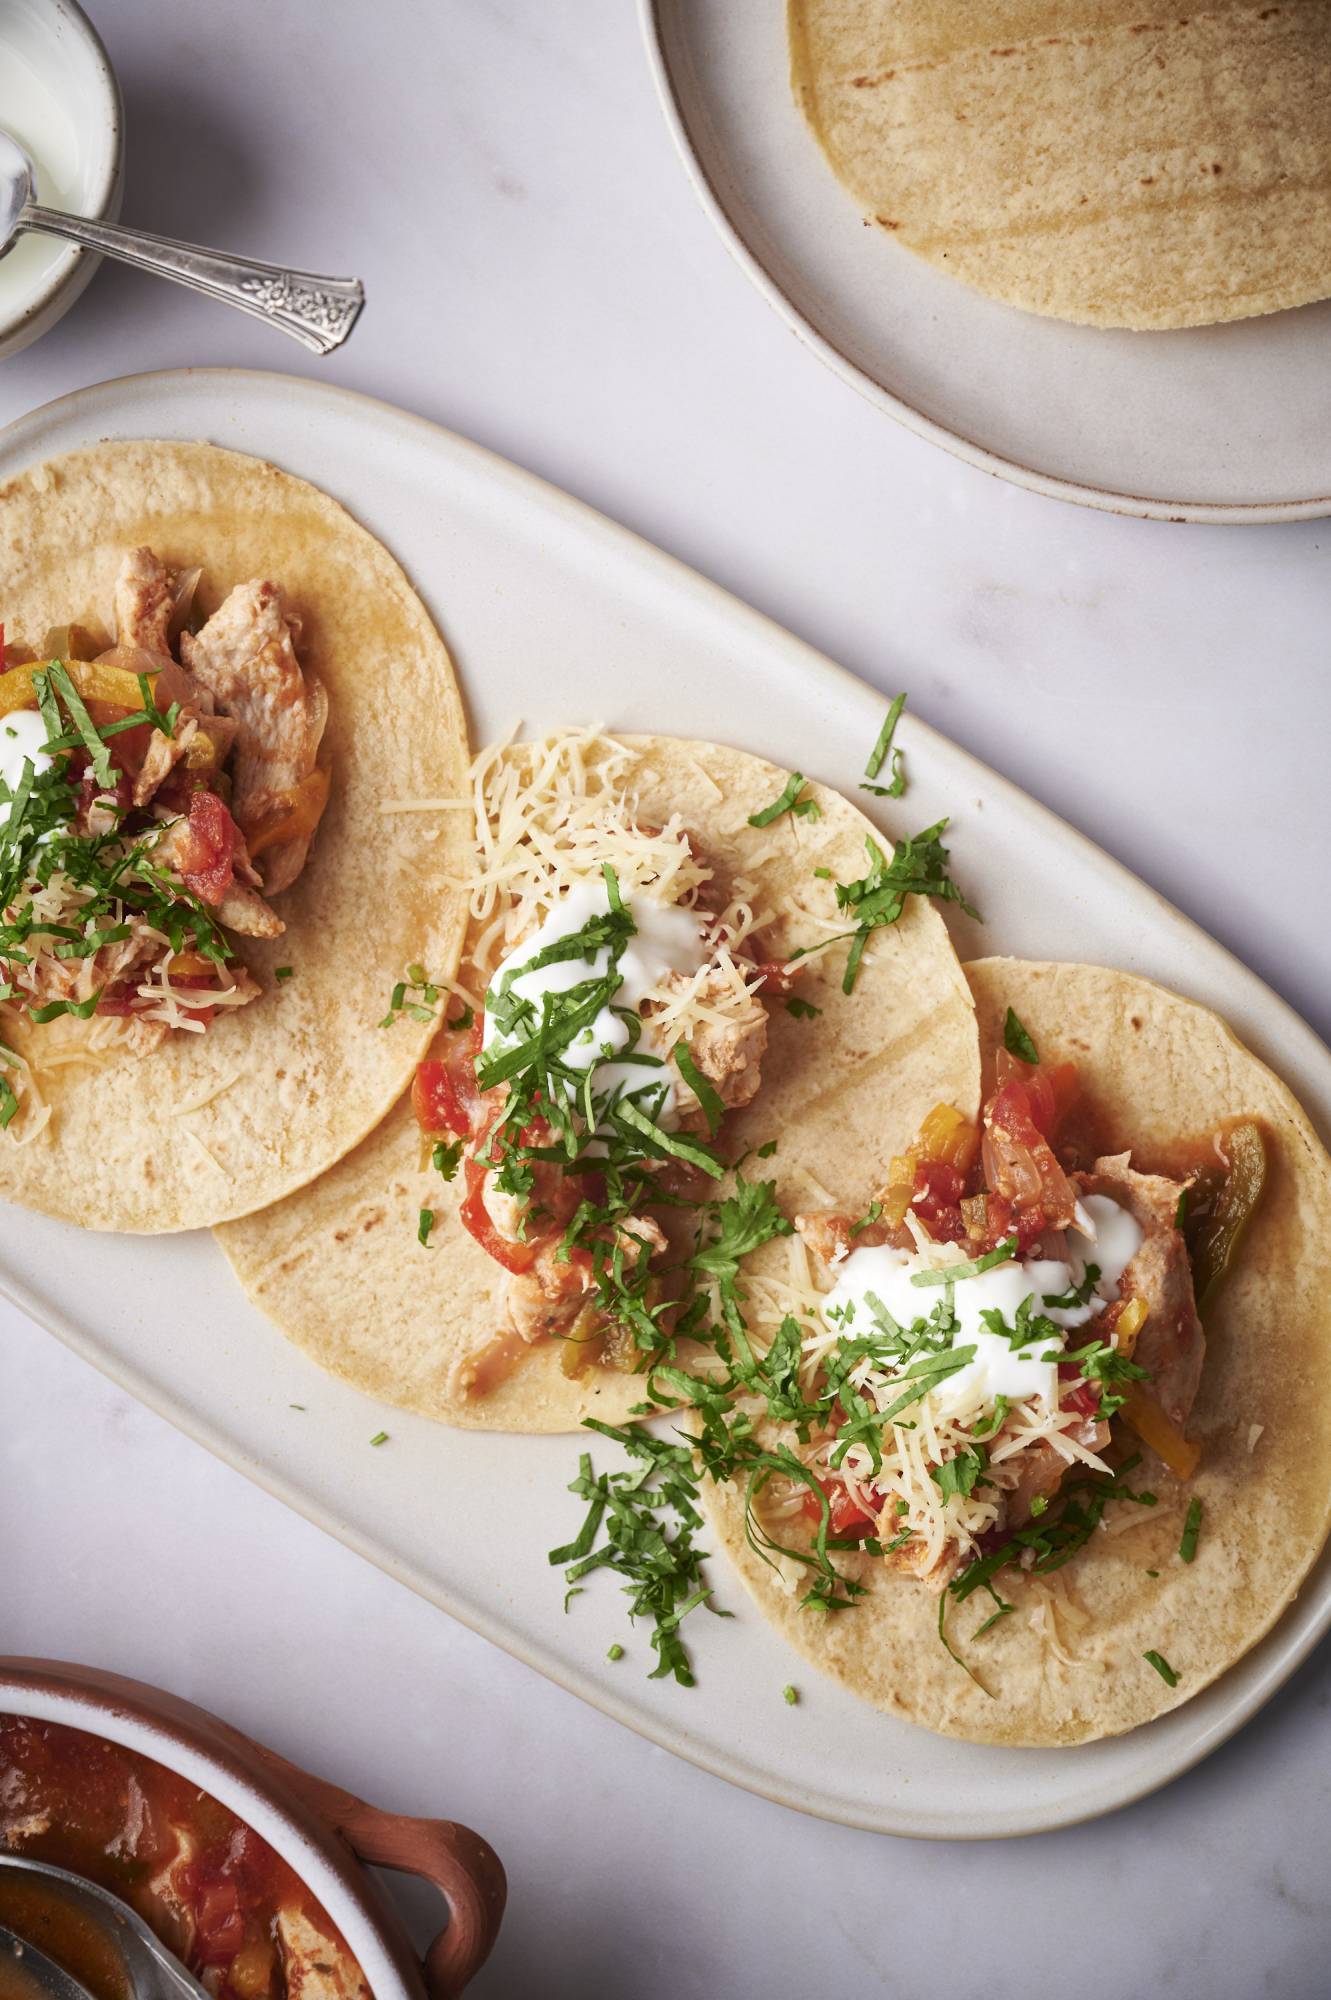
(251, 1871)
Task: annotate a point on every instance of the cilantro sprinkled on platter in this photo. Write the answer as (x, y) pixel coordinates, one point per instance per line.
(895, 788)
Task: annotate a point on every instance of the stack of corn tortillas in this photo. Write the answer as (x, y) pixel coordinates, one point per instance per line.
(1088, 159)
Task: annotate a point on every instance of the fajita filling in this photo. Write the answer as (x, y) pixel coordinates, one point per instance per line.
(976, 1333)
(153, 796)
(580, 1098)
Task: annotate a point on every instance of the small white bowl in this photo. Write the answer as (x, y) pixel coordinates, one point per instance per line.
(60, 99)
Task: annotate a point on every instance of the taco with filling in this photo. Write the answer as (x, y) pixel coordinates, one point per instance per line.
(1058, 1454)
(206, 672)
(680, 960)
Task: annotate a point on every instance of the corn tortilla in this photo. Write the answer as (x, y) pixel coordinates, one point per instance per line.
(285, 1086)
(1090, 159)
(1160, 1067)
(338, 1266)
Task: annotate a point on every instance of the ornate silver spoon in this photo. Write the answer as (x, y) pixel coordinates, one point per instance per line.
(319, 312)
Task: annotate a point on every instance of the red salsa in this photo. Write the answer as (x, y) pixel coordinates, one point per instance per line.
(216, 1894)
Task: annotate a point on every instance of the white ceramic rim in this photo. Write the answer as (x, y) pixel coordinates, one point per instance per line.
(69, 267)
(1265, 1669)
(1053, 488)
(92, 1711)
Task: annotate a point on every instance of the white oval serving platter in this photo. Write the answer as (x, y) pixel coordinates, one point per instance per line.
(1219, 423)
(556, 615)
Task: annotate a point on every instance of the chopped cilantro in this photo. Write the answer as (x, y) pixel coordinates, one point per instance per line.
(616, 1652)
(380, 1437)
(949, 1274)
(446, 1157)
(1181, 1212)
(879, 753)
(1187, 1547)
(712, 1108)
(918, 867)
(789, 801)
(1076, 1295)
(1017, 1040)
(1162, 1667)
(955, 1478)
(424, 1225)
(789, 1695)
(742, 1222)
(802, 1010)
(283, 971)
(423, 1007)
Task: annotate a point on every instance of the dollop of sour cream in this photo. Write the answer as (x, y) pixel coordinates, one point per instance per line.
(666, 939)
(1109, 1239)
(22, 734)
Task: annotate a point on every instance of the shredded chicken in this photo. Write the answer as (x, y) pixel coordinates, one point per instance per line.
(314, 1967)
(548, 1298)
(144, 602)
(728, 1052)
(245, 657)
(1172, 1345)
(244, 911)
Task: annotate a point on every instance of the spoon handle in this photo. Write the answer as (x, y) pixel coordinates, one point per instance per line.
(319, 312)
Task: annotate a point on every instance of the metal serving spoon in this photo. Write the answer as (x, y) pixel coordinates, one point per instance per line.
(37, 1974)
(319, 312)
(151, 1971)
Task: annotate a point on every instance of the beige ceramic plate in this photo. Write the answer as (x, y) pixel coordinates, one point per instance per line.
(553, 613)
(1222, 423)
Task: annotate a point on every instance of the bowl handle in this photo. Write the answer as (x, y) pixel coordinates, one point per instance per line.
(463, 1867)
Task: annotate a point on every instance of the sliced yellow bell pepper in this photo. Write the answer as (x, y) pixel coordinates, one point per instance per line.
(1143, 1414)
(295, 819)
(95, 680)
(1128, 1326)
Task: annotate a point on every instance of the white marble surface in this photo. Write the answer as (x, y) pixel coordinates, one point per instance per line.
(540, 278)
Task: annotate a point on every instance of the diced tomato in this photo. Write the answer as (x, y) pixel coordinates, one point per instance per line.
(936, 1200)
(444, 1095)
(1019, 1165)
(778, 978)
(206, 850)
(476, 1219)
(846, 1516)
(220, 1920)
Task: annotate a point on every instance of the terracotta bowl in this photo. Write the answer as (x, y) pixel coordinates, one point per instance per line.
(326, 1835)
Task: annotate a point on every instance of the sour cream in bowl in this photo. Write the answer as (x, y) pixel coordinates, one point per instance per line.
(59, 99)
